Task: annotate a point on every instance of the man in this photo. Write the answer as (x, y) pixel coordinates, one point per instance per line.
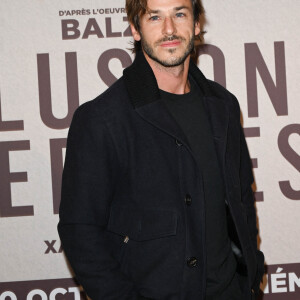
(156, 194)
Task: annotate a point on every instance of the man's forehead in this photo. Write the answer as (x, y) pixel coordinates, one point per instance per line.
(161, 5)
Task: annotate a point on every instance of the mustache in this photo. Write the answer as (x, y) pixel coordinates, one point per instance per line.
(170, 38)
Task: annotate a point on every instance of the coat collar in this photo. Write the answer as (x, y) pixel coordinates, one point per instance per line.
(142, 85)
(144, 95)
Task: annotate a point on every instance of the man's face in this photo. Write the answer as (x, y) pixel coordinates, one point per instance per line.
(167, 31)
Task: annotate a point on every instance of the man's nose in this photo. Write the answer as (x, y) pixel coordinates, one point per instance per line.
(169, 26)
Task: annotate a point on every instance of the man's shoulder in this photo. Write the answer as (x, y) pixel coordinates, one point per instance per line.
(224, 95)
(114, 99)
(219, 91)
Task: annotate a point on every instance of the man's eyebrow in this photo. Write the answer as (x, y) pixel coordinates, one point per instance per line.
(156, 11)
(152, 11)
(180, 8)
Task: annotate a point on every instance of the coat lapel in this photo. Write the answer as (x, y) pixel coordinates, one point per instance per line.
(218, 115)
(144, 94)
(217, 112)
(158, 115)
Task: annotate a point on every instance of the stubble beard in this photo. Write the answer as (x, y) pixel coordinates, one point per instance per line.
(173, 61)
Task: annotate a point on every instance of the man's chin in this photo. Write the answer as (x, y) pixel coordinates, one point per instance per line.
(173, 63)
(169, 62)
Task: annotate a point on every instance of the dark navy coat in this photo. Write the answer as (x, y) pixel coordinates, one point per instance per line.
(128, 169)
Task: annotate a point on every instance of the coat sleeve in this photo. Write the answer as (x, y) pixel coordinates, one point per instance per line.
(90, 172)
(246, 179)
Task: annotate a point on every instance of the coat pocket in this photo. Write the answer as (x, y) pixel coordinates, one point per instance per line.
(147, 247)
(142, 225)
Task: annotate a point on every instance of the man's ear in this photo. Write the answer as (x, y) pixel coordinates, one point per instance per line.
(136, 35)
(197, 27)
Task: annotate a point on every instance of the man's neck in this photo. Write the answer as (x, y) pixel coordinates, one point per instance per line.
(171, 79)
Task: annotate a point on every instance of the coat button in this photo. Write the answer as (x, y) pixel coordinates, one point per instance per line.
(178, 143)
(192, 262)
(188, 200)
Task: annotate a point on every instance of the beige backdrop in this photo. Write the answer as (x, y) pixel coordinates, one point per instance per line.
(57, 54)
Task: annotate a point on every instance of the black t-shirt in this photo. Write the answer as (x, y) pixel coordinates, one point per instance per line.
(188, 111)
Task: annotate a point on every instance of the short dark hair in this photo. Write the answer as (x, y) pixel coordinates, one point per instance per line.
(137, 8)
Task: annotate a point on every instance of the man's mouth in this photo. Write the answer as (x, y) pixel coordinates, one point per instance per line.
(173, 43)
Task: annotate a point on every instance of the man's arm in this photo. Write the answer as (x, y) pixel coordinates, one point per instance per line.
(90, 172)
(246, 179)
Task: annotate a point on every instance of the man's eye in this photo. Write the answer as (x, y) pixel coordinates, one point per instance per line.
(154, 18)
(180, 15)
